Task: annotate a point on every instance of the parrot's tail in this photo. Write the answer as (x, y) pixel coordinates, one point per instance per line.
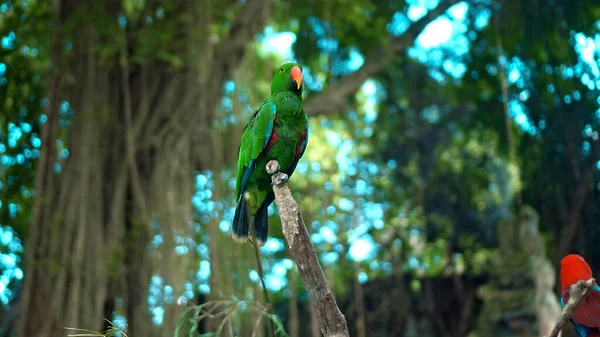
(261, 222)
(241, 222)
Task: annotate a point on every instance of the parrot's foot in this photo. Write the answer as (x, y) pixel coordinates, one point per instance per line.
(272, 167)
(279, 179)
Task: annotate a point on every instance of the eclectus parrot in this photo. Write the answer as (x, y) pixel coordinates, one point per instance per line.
(277, 130)
(586, 319)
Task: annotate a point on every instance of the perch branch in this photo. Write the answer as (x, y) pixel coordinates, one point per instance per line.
(330, 318)
(577, 293)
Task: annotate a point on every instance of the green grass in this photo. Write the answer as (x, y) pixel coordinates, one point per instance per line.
(111, 331)
(225, 312)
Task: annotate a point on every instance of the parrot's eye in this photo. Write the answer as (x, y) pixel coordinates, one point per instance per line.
(281, 69)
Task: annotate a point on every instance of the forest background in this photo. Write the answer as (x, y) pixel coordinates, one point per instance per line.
(453, 160)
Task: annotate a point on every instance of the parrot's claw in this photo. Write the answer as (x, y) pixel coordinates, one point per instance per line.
(272, 167)
(280, 179)
(277, 177)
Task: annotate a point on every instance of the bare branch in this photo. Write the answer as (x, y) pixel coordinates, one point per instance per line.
(577, 293)
(330, 318)
(334, 98)
(503, 80)
(251, 18)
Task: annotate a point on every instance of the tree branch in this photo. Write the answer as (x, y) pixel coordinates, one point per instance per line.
(413, 203)
(252, 17)
(137, 189)
(330, 318)
(334, 98)
(579, 198)
(577, 293)
(503, 79)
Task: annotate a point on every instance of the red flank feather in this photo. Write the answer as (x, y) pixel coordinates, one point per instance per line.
(299, 146)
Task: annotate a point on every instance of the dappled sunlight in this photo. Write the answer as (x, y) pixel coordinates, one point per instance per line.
(10, 251)
(438, 173)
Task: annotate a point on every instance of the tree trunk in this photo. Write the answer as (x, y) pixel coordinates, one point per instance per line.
(361, 325)
(66, 274)
(93, 219)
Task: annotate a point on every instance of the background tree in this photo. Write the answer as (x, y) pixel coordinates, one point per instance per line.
(434, 126)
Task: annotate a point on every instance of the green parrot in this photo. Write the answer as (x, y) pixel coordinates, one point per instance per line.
(277, 130)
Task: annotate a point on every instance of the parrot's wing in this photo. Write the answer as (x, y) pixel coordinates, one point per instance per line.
(581, 330)
(587, 317)
(256, 136)
(304, 140)
(300, 148)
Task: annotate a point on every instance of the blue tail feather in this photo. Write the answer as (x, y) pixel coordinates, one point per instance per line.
(241, 222)
(261, 221)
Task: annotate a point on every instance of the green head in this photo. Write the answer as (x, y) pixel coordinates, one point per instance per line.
(288, 77)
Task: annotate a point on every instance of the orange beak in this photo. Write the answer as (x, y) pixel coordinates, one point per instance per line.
(297, 75)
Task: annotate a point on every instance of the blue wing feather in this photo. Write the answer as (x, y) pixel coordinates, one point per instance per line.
(582, 330)
(269, 131)
(247, 173)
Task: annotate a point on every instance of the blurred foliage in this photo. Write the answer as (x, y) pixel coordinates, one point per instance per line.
(24, 61)
(412, 181)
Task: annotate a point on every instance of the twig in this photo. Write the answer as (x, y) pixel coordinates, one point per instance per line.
(577, 293)
(330, 318)
(111, 331)
(227, 309)
(257, 325)
(262, 281)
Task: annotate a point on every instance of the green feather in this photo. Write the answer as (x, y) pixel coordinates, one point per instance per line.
(280, 119)
(254, 139)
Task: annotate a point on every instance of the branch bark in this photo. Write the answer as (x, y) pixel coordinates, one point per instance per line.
(577, 293)
(330, 318)
(334, 98)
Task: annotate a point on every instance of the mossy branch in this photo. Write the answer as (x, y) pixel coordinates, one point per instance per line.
(328, 314)
(577, 293)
